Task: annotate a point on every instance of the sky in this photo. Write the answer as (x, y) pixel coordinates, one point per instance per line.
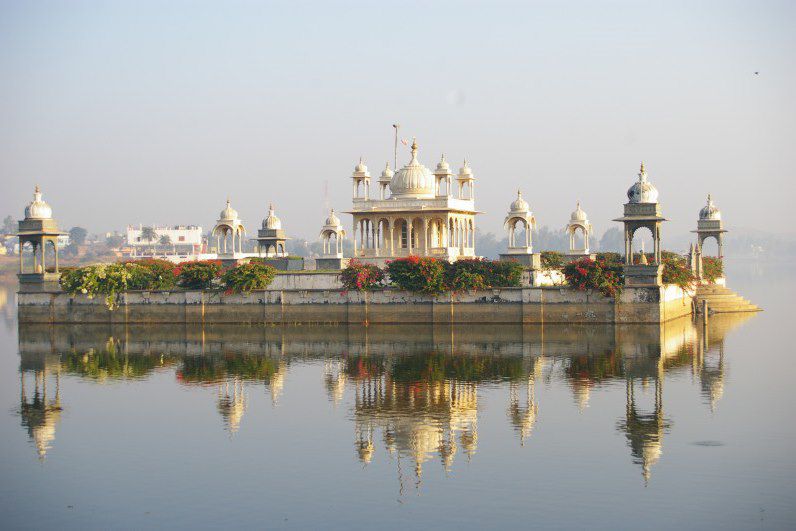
(156, 112)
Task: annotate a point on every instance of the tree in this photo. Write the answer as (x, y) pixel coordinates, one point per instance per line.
(612, 240)
(114, 241)
(77, 235)
(9, 225)
(165, 241)
(149, 235)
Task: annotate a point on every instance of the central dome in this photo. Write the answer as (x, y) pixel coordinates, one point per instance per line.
(413, 180)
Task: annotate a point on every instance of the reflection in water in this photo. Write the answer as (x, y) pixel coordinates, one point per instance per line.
(40, 414)
(415, 388)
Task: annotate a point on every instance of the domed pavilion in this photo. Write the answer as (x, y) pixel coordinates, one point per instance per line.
(420, 215)
(710, 225)
(39, 232)
(642, 211)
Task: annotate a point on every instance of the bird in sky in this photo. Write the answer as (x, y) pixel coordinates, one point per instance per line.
(757, 73)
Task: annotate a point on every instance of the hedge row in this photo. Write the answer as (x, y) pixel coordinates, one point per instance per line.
(144, 275)
(432, 275)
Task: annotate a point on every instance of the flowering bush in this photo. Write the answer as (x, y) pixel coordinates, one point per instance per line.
(597, 274)
(712, 268)
(552, 260)
(100, 279)
(153, 274)
(247, 277)
(198, 275)
(424, 275)
(676, 271)
(361, 277)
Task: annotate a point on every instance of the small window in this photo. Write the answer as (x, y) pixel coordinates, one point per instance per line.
(181, 239)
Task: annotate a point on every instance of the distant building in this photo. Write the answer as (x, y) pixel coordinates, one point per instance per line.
(185, 239)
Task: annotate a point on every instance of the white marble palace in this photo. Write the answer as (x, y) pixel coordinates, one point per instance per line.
(417, 212)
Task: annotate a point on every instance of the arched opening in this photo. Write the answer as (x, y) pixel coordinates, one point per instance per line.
(50, 257)
(577, 238)
(642, 239)
(28, 259)
(710, 246)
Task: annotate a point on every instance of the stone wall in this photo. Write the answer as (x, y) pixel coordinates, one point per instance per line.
(295, 303)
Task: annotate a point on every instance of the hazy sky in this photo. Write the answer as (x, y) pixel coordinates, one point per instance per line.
(155, 112)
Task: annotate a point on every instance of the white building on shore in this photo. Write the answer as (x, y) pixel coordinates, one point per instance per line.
(184, 240)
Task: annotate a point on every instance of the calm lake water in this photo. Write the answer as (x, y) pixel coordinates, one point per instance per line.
(470, 427)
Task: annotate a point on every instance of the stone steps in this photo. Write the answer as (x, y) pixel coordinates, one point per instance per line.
(723, 300)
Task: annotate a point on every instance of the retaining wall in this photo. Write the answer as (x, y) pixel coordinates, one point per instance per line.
(286, 305)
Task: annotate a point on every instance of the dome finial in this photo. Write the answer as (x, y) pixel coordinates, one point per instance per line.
(37, 189)
(414, 149)
(642, 173)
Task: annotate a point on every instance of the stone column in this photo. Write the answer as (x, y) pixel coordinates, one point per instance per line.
(425, 236)
(21, 245)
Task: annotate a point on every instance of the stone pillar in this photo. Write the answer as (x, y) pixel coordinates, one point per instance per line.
(425, 236)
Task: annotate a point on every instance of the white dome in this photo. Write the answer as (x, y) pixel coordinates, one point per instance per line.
(332, 220)
(578, 214)
(443, 166)
(38, 208)
(519, 204)
(272, 222)
(361, 170)
(466, 171)
(386, 175)
(414, 179)
(710, 211)
(228, 213)
(642, 191)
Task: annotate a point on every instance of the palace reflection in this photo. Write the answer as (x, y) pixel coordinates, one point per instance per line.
(412, 391)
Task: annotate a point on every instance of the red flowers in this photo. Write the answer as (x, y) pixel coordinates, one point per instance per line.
(361, 277)
(586, 274)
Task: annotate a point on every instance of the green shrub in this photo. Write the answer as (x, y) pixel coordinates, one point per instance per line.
(583, 274)
(501, 273)
(198, 275)
(676, 271)
(609, 257)
(100, 279)
(361, 277)
(422, 275)
(552, 260)
(465, 275)
(712, 268)
(157, 275)
(248, 277)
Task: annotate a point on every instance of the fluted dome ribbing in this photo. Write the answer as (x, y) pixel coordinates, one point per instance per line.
(332, 220)
(642, 191)
(414, 179)
(228, 212)
(519, 204)
(578, 214)
(38, 208)
(272, 222)
(710, 211)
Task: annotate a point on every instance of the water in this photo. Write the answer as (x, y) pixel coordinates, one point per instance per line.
(308, 427)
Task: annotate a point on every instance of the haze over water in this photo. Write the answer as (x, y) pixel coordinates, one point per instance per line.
(397, 427)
